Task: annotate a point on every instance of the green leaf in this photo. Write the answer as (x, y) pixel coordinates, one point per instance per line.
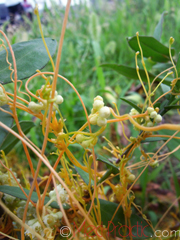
(139, 227)
(158, 30)
(105, 176)
(16, 192)
(132, 105)
(172, 107)
(115, 170)
(151, 47)
(10, 140)
(84, 175)
(130, 72)
(6, 119)
(30, 56)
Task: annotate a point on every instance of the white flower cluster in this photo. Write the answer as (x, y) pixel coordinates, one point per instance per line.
(37, 107)
(149, 120)
(51, 221)
(3, 97)
(154, 115)
(99, 113)
(31, 212)
(6, 178)
(9, 200)
(35, 225)
(61, 192)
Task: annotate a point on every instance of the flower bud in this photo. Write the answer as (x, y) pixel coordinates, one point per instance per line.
(35, 107)
(149, 124)
(131, 178)
(150, 110)
(55, 106)
(158, 118)
(61, 192)
(3, 98)
(89, 143)
(93, 120)
(98, 104)
(153, 114)
(101, 122)
(104, 112)
(133, 112)
(98, 98)
(55, 93)
(79, 138)
(146, 118)
(59, 99)
(154, 164)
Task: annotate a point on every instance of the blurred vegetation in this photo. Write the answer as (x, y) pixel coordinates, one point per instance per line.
(95, 35)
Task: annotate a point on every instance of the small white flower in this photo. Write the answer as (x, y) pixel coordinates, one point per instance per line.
(101, 122)
(154, 164)
(9, 199)
(104, 112)
(131, 178)
(79, 138)
(93, 119)
(85, 144)
(61, 192)
(149, 124)
(158, 118)
(153, 114)
(59, 99)
(55, 93)
(98, 104)
(89, 143)
(98, 98)
(133, 112)
(36, 226)
(52, 218)
(3, 98)
(150, 110)
(36, 107)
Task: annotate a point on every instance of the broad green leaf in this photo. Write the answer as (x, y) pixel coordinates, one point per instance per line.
(158, 30)
(151, 47)
(6, 119)
(130, 72)
(132, 105)
(173, 143)
(172, 107)
(10, 140)
(30, 56)
(105, 176)
(16, 192)
(139, 228)
(84, 175)
(115, 170)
